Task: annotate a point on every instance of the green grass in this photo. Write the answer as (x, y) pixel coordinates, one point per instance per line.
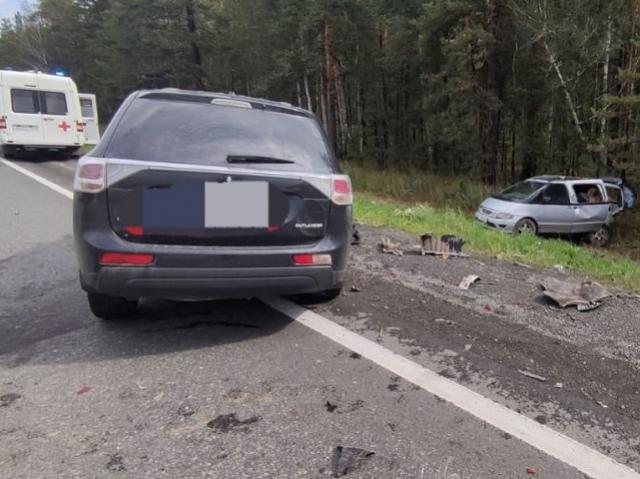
(600, 265)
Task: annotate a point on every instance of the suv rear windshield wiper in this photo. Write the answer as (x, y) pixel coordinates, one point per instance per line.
(257, 160)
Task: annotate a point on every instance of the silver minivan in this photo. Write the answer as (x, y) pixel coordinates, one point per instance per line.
(558, 205)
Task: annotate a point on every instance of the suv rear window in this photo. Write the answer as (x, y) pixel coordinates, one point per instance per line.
(206, 134)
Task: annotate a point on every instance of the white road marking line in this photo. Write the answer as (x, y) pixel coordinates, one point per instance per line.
(557, 445)
(565, 449)
(43, 181)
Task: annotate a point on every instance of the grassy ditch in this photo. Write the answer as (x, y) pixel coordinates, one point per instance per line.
(598, 264)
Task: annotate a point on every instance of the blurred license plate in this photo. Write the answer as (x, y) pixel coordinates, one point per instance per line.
(243, 204)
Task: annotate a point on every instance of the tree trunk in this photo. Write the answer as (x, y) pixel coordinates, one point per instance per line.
(329, 79)
(307, 93)
(195, 49)
(565, 88)
(604, 157)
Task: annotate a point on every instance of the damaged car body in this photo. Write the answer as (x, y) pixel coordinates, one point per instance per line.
(583, 207)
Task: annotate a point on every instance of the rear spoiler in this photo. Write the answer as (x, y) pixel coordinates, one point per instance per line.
(628, 192)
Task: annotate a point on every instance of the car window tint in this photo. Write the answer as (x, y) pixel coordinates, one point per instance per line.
(556, 195)
(614, 195)
(54, 103)
(521, 191)
(86, 106)
(207, 134)
(588, 193)
(24, 101)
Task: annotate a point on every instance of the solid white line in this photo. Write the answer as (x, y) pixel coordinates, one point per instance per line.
(565, 449)
(585, 459)
(39, 179)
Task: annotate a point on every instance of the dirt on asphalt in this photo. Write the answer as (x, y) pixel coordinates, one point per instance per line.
(501, 334)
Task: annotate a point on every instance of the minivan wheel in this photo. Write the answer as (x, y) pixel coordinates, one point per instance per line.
(525, 226)
(111, 307)
(600, 237)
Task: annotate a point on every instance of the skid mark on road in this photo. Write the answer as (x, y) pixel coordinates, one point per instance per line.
(561, 447)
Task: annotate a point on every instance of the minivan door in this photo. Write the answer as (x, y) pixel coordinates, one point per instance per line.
(589, 206)
(551, 209)
(58, 125)
(89, 109)
(24, 121)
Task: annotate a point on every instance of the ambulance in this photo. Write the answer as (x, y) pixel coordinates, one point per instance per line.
(42, 112)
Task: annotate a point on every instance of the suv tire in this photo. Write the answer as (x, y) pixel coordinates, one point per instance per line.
(111, 307)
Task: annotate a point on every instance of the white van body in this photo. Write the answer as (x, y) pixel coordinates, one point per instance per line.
(89, 109)
(39, 111)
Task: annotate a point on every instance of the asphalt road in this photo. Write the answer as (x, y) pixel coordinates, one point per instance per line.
(154, 396)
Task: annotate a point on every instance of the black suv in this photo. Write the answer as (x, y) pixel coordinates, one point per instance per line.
(198, 195)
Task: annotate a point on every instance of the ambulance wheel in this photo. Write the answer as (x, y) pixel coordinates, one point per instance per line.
(8, 152)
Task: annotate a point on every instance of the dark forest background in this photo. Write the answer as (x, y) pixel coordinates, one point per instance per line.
(492, 89)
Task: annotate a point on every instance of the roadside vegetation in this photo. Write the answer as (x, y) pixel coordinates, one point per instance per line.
(418, 203)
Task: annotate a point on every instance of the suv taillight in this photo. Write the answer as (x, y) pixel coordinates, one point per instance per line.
(341, 191)
(90, 176)
(3, 123)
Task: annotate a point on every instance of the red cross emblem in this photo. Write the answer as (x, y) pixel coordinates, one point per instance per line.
(64, 126)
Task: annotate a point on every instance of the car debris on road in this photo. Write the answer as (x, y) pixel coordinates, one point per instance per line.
(447, 245)
(347, 459)
(389, 247)
(528, 374)
(468, 281)
(587, 295)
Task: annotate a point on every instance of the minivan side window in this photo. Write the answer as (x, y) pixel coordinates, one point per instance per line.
(555, 194)
(24, 101)
(588, 193)
(53, 103)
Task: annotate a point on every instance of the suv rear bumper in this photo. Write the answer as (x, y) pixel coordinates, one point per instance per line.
(209, 283)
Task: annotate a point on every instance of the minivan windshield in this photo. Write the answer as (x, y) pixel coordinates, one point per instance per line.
(520, 191)
(215, 135)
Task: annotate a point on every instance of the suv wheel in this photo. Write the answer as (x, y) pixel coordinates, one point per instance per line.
(319, 297)
(111, 307)
(600, 237)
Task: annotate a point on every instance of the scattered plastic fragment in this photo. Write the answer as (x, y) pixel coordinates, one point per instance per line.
(389, 247)
(488, 308)
(602, 405)
(584, 308)
(531, 471)
(330, 406)
(355, 289)
(84, 390)
(532, 375)
(566, 293)
(355, 235)
(559, 268)
(468, 281)
(227, 422)
(347, 459)
(558, 385)
(116, 463)
(467, 347)
(8, 399)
